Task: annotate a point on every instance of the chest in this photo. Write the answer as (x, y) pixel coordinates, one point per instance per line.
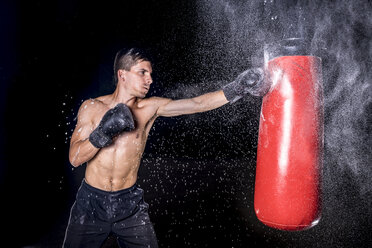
(143, 121)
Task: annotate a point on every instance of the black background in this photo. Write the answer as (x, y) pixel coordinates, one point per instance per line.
(198, 180)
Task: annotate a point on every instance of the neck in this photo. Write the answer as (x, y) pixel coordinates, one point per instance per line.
(121, 95)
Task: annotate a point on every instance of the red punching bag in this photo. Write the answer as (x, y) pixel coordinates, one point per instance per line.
(290, 145)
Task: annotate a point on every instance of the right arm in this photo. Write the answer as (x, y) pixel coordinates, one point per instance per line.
(86, 142)
(81, 149)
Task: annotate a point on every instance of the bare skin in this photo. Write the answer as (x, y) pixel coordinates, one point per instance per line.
(115, 167)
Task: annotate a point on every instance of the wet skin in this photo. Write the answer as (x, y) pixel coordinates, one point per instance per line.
(115, 167)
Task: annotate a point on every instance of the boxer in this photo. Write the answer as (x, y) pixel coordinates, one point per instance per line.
(110, 136)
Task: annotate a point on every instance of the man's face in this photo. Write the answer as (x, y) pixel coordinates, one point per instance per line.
(139, 78)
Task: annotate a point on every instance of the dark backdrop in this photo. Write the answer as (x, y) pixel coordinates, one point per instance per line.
(197, 171)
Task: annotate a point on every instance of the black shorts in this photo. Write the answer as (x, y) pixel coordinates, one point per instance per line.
(96, 214)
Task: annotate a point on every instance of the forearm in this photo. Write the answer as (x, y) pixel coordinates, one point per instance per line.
(197, 104)
(209, 101)
(81, 152)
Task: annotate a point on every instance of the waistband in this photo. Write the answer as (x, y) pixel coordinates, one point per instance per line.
(85, 185)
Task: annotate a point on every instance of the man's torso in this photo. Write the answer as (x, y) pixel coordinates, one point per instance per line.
(115, 167)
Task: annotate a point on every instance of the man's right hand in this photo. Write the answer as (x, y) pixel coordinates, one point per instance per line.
(115, 121)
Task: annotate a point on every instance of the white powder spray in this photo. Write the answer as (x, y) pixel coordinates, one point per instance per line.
(232, 37)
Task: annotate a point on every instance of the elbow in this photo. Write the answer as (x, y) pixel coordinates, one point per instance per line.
(74, 162)
(74, 159)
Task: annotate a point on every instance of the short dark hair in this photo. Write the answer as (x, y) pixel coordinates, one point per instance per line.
(126, 58)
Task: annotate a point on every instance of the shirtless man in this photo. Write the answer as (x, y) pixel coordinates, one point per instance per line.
(110, 136)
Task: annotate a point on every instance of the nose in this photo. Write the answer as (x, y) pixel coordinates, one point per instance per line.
(149, 79)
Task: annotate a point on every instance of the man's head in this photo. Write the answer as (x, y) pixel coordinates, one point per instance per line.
(133, 72)
(126, 58)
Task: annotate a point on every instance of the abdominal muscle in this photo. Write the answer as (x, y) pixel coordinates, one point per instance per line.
(115, 167)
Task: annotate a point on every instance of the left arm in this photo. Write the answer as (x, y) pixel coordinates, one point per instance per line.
(168, 107)
(250, 81)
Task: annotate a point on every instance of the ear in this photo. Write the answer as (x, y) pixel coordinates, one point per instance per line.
(122, 74)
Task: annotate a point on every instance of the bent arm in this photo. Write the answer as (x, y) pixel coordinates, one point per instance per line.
(202, 103)
(81, 150)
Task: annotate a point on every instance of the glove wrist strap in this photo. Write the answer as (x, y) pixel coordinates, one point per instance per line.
(99, 139)
(231, 92)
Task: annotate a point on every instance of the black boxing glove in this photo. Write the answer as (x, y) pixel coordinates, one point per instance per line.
(115, 121)
(250, 81)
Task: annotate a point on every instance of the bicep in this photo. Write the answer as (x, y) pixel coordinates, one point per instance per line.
(84, 125)
(169, 108)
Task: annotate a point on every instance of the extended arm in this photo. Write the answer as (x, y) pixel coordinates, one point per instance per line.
(202, 103)
(250, 82)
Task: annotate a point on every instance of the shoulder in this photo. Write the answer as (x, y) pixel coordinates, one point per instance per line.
(152, 105)
(90, 107)
(91, 104)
